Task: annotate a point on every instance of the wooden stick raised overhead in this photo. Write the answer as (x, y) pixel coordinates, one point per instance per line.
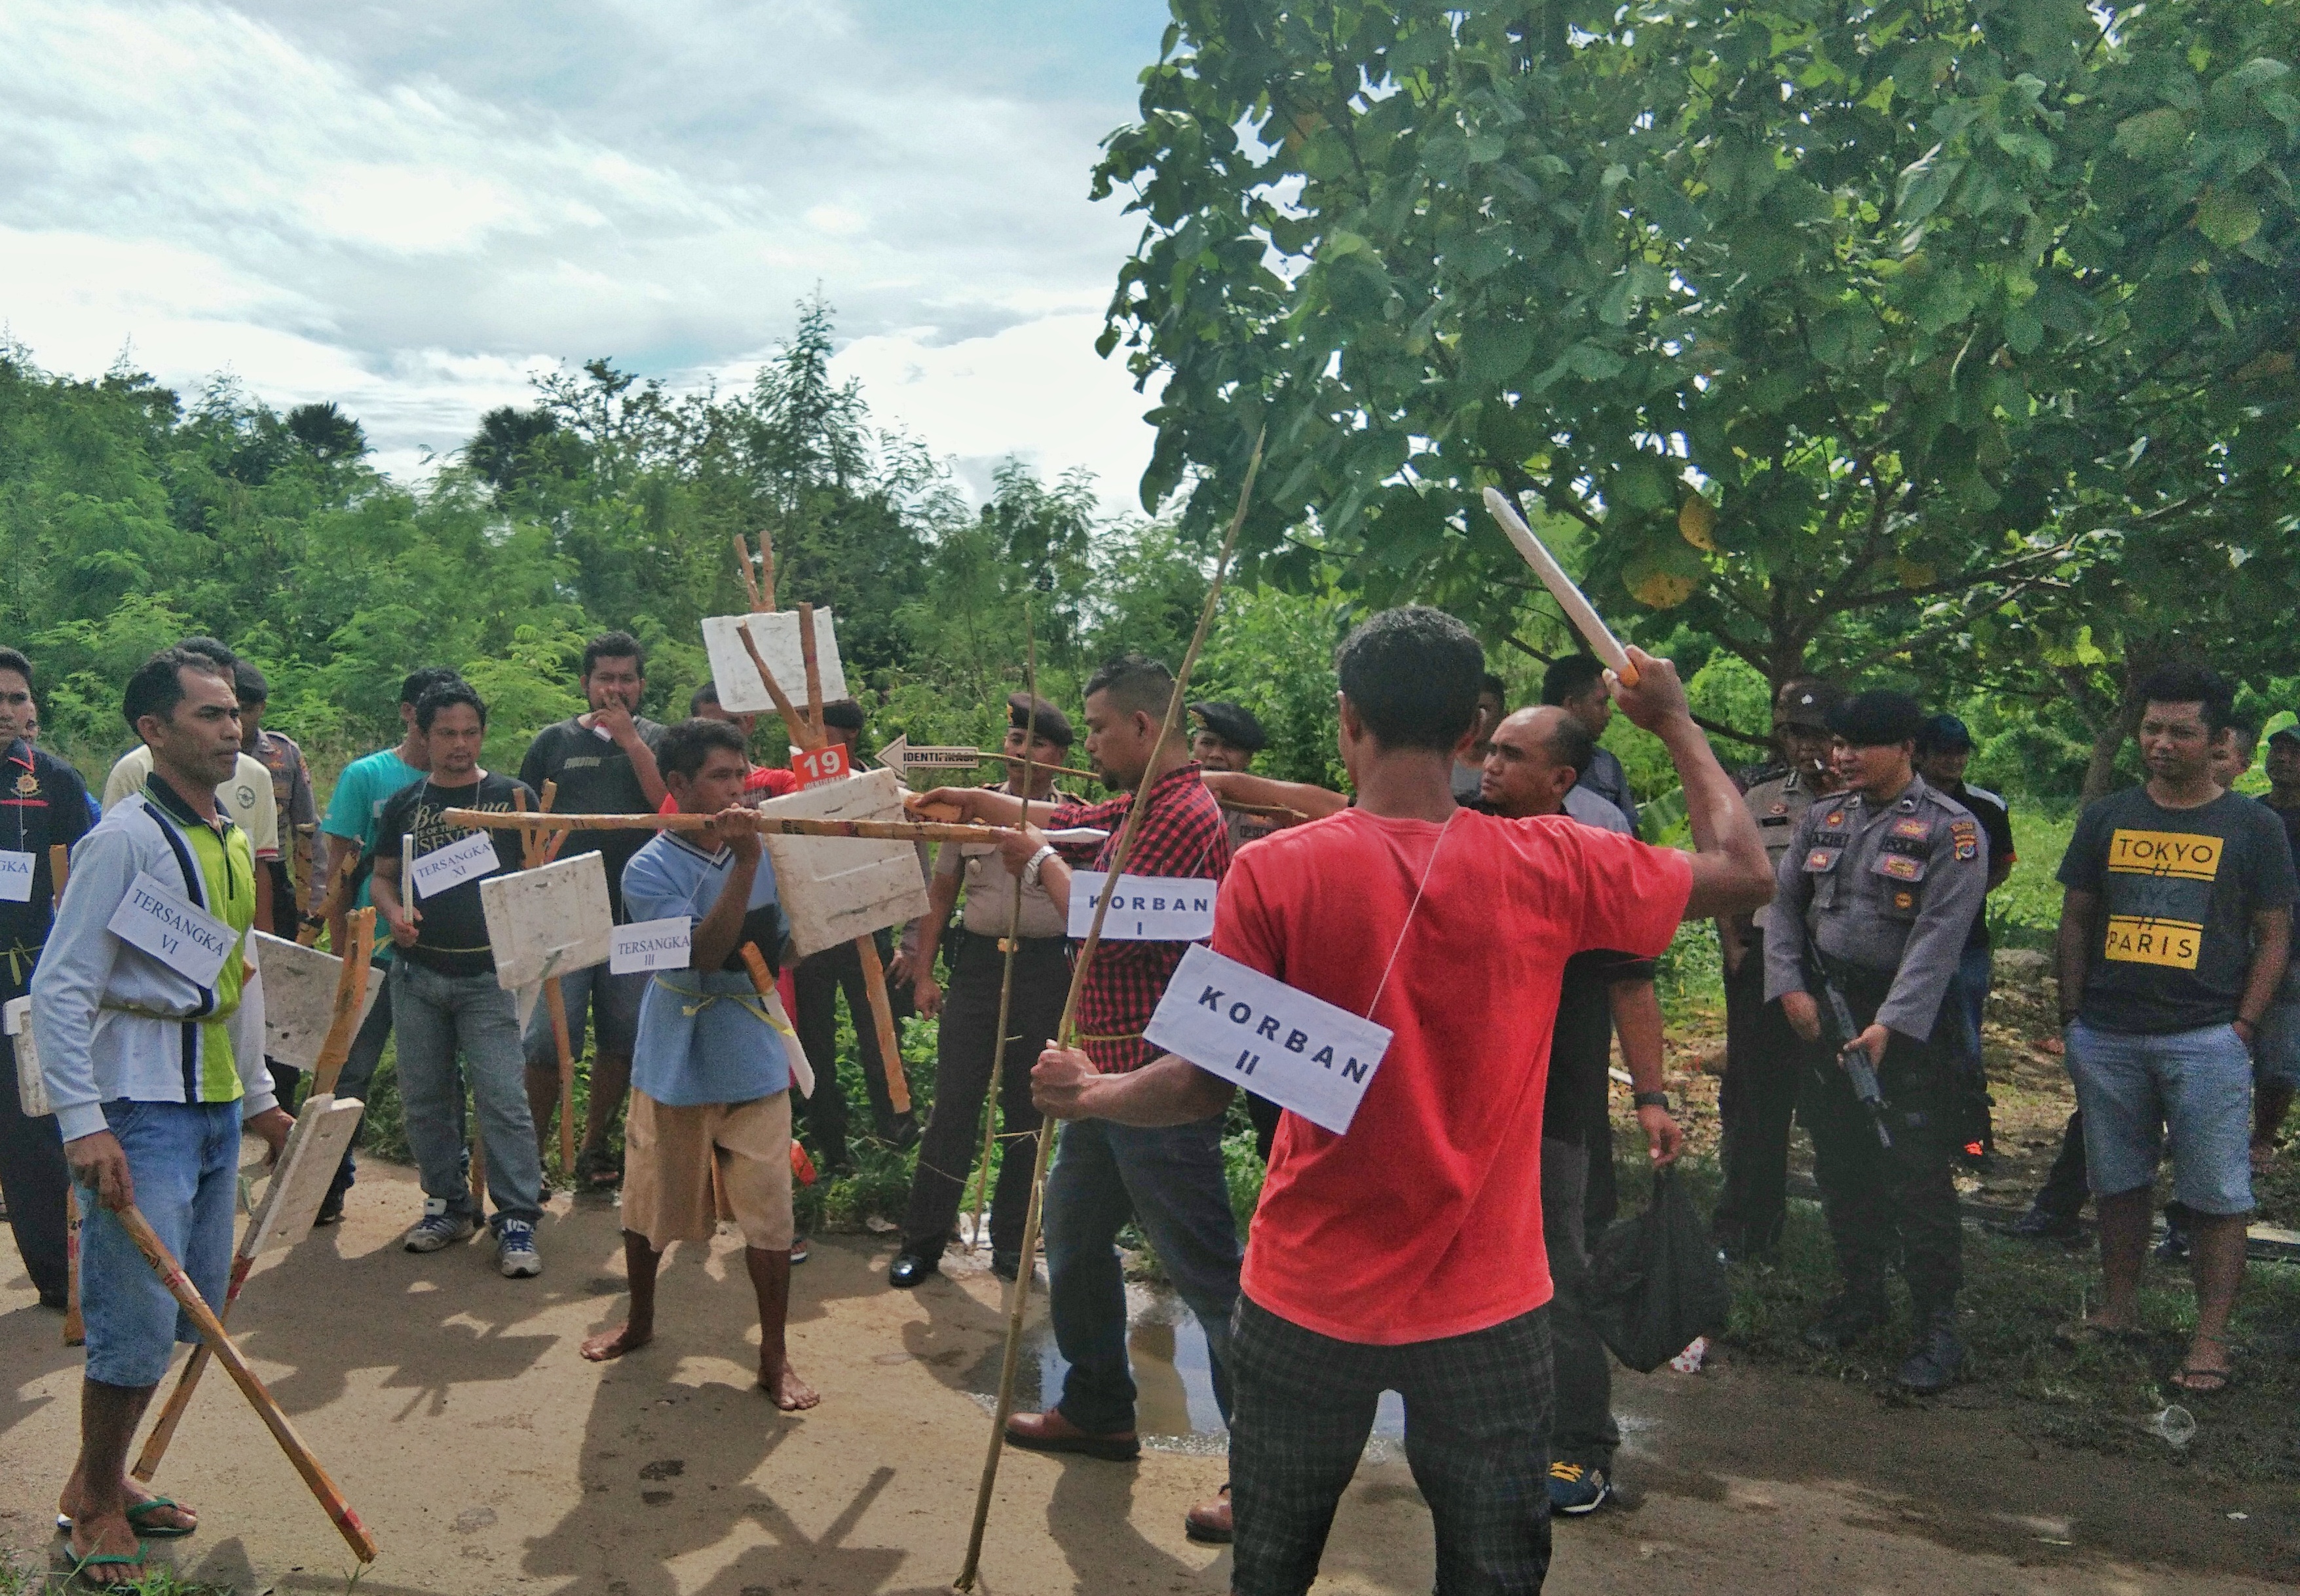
(1067, 1035)
(1570, 598)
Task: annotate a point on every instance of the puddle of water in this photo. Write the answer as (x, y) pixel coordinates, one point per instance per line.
(1174, 1389)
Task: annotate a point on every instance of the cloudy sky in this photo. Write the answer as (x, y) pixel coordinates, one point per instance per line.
(407, 208)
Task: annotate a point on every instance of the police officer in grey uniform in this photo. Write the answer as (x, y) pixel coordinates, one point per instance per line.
(1766, 1061)
(1876, 894)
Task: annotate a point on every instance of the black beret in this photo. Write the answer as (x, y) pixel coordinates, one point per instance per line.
(1875, 719)
(1053, 724)
(1233, 724)
(1943, 734)
(844, 714)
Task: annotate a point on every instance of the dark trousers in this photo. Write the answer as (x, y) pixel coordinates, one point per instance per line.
(1765, 1066)
(1477, 1418)
(816, 982)
(358, 1079)
(1582, 1377)
(2066, 1189)
(1171, 1182)
(37, 1183)
(964, 1057)
(1898, 1204)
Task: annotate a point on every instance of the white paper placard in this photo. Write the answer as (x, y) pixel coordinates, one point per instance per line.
(32, 1086)
(1301, 1052)
(455, 864)
(299, 999)
(15, 876)
(653, 944)
(549, 921)
(776, 632)
(186, 939)
(1145, 908)
(307, 1168)
(835, 889)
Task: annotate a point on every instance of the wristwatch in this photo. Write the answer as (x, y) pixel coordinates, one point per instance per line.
(1038, 862)
(1650, 1100)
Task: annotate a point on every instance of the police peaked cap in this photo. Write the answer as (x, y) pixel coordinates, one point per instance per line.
(1876, 718)
(1053, 724)
(1807, 704)
(1233, 723)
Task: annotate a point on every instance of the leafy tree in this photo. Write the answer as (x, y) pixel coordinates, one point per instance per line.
(1847, 336)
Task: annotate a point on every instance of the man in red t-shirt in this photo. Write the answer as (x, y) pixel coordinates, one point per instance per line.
(1407, 1255)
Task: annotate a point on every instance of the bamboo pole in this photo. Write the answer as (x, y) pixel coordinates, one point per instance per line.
(1013, 943)
(335, 1048)
(1019, 1297)
(212, 1333)
(882, 831)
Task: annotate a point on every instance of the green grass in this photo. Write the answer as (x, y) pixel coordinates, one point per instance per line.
(2098, 1398)
(27, 1574)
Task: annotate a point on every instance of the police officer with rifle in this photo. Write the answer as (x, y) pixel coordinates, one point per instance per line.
(1876, 895)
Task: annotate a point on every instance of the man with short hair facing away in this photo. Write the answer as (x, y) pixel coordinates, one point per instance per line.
(2276, 1051)
(154, 1069)
(42, 804)
(2175, 932)
(246, 796)
(355, 811)
(1167, 1177)
(1407, 1254)
(967, 1045)
(604, 762)
(1766, 1062)
(1576, 684)
(446, 998)
(711, 1079)
(1533, 760)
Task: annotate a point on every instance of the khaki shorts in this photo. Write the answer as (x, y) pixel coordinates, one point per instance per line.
(673, 1158)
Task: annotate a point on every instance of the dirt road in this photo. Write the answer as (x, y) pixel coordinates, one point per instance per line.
(489, 1458)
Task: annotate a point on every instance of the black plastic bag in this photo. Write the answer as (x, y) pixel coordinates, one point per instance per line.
(1656, 1283)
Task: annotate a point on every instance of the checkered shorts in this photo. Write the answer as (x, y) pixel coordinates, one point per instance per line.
(1477, 1427)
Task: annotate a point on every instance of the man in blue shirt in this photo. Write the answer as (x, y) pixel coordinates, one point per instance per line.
(711, 1066)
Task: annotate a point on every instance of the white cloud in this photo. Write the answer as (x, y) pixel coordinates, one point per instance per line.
(405, 209)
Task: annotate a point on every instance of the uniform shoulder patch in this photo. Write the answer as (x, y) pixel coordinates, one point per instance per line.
(1966, 836)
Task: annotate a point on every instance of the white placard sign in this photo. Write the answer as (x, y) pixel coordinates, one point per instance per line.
(299, 999)
(776, 632)
(652, 944)
(549, 921)
(186, 939)
(1145, 908)
(32, 1086)
(15, 876)
(455, 864)
(1301, 1052)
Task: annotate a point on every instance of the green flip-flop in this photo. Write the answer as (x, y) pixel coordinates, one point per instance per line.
(93, 1571)
(149, 1532)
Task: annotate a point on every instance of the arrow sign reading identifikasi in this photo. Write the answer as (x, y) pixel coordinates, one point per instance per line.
(901, 758)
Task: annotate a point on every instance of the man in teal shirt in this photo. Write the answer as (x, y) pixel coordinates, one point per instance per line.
(354, 809)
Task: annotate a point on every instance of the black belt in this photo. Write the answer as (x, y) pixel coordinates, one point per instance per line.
(1020, 945)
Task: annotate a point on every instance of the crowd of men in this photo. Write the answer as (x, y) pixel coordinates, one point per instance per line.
(1482, 878)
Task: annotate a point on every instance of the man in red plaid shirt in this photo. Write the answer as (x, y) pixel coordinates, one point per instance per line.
(1170, 1180)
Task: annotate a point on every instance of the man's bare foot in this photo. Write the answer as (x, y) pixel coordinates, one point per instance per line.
(113, 1537)
(174, 1516)
(615, 1343)
(2264, 1156)
(791, 1393)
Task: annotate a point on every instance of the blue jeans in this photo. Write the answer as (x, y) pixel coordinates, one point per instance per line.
(358, 1079)
(2195, 1085)
(432, 1015)
(184, 1158)
(1169, 1181)
(1969, 988)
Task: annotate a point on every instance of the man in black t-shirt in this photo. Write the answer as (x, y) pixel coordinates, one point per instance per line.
(1533, 759)
(604, 761)
(443, 991)
(42, 802)
(2174, 937)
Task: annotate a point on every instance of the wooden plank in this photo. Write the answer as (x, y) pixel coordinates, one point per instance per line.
(836, 894)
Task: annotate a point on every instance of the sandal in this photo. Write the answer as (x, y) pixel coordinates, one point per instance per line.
(147, 1532)
(95, 1570)
(2222, 1378)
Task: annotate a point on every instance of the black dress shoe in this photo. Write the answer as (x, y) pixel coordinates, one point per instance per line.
(1007, 1266)
(910, 1268)
(901, 1131)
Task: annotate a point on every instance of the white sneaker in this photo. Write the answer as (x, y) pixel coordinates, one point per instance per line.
(439, 1229)
(515, 1254)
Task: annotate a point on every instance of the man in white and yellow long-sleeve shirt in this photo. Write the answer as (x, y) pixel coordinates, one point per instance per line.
(145, 1054)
